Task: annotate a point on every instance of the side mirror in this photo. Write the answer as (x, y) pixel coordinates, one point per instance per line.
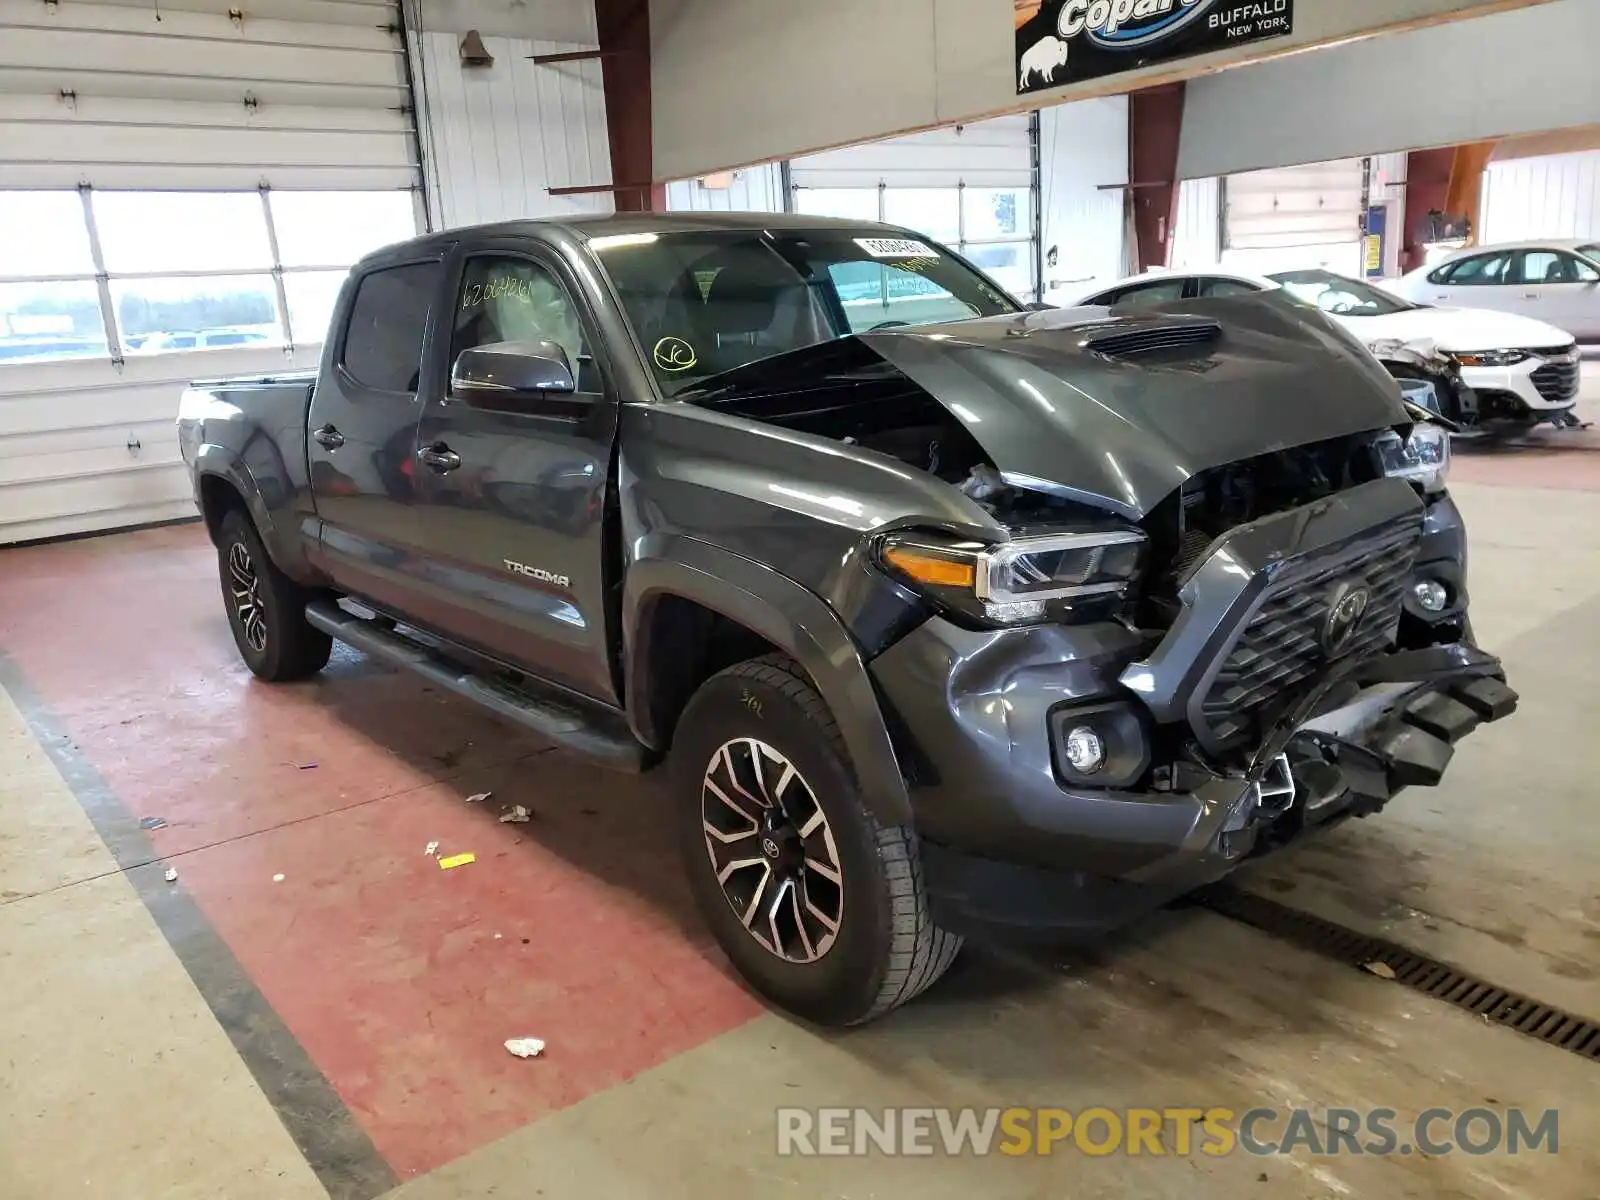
(501, 370)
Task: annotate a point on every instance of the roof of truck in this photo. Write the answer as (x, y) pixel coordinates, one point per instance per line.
(595, 225)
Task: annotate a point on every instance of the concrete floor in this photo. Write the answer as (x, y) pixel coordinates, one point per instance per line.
(339, 1031)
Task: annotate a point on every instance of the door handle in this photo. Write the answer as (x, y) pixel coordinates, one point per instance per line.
(439, 457)
(1530, 295)
(329, 436)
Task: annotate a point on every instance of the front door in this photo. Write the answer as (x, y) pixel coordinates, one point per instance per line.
(362, 438)
(514, 493)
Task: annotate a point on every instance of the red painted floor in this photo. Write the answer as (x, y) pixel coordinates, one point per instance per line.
(386, 968)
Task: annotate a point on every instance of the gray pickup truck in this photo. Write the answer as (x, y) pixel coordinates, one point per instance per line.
(949, 616)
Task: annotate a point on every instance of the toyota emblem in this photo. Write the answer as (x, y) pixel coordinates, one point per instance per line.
(1346, 607)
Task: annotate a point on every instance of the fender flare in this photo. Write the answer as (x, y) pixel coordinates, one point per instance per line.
(227, 465)
(790, 617)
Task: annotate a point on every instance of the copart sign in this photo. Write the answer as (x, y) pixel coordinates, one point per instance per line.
(1067, 41)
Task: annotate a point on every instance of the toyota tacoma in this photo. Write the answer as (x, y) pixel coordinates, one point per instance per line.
(948, 616)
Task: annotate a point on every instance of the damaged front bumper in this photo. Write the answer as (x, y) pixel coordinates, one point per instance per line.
(1013, 836)
(1007, 843)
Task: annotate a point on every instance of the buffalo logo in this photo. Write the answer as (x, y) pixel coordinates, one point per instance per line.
(1346, 607)
(674, 354)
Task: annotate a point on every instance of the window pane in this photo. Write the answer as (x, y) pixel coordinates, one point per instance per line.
(859, 204)
(159, 316)
(998, 213)
(875, 294)
(934, 212)
(514, 300)
(182, 231)
(50, 320)
(1009, 265)
(312, 296)
(383, 349)
(335, 229)
(43, 233)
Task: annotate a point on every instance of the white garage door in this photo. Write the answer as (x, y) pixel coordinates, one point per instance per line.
(968, 186)
(183, 185)
(1306, 216)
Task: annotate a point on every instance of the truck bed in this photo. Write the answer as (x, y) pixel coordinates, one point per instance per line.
(241, 411)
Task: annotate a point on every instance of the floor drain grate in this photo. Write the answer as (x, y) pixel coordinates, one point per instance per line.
(1427, 975)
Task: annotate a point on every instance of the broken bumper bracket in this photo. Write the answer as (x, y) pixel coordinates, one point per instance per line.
(1411, 747)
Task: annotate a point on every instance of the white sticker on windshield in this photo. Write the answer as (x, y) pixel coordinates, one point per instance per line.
(896, 248)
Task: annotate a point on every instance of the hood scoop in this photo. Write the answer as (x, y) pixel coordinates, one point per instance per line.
(1151, 339)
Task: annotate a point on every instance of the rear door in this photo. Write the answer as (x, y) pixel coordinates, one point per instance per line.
(513, 494)
(362, 440)
(1561, 290)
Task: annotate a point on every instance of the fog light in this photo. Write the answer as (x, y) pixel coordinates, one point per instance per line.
(1430, 595)
(1085, 751)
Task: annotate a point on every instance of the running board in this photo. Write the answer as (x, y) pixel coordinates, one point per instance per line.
(565, 724)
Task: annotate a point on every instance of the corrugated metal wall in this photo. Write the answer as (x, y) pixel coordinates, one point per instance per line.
(1556, 196)
(1083, 160)
(497, 138)
(1197, 237)
(754, 189)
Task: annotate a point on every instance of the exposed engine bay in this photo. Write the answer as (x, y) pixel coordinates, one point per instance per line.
(861, 400)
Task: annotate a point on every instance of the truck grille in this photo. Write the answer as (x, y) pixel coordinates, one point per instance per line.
(1557, 381)
(1280, 649)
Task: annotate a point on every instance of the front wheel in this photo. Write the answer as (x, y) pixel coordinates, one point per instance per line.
(266, 609)
(821, 908)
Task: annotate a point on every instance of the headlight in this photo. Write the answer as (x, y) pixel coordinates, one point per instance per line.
(1492, 358)
(1069, 576)
(1423, 458)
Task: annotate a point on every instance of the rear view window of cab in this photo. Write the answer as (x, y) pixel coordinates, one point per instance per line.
(383, 345)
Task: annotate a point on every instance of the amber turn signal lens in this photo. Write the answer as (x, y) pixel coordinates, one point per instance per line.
(930, 569)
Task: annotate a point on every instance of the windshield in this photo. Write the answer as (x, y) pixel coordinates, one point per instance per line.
(705, 302)
(1339, 294)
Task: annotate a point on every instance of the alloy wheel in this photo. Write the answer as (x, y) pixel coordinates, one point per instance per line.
(772, 850)
(245, 584)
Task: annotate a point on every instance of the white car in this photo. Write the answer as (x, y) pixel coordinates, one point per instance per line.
(1523, 371)
(1555, 281)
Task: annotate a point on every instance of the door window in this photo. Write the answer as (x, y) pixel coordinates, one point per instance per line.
(1226, 287)
(505, 299)
(383, 345)
(1146, 294)
(1482, 270)
(1552, 266)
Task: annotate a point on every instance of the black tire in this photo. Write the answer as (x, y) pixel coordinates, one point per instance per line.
(269, 618)
(886, 949)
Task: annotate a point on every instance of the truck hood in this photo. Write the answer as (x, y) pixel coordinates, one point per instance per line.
(1069, 402)
(1459, 330)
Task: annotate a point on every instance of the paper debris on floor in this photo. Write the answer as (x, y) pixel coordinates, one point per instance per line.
(526, 1047)
(517, 814)
(457, 860)
(172, 875)
(1381, 969)
(278, 878)
(152, 822)
(310, 766)
(478, 797)
(431, 849)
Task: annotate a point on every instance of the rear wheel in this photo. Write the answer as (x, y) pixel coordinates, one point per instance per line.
(266, 609)
(820, 907)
